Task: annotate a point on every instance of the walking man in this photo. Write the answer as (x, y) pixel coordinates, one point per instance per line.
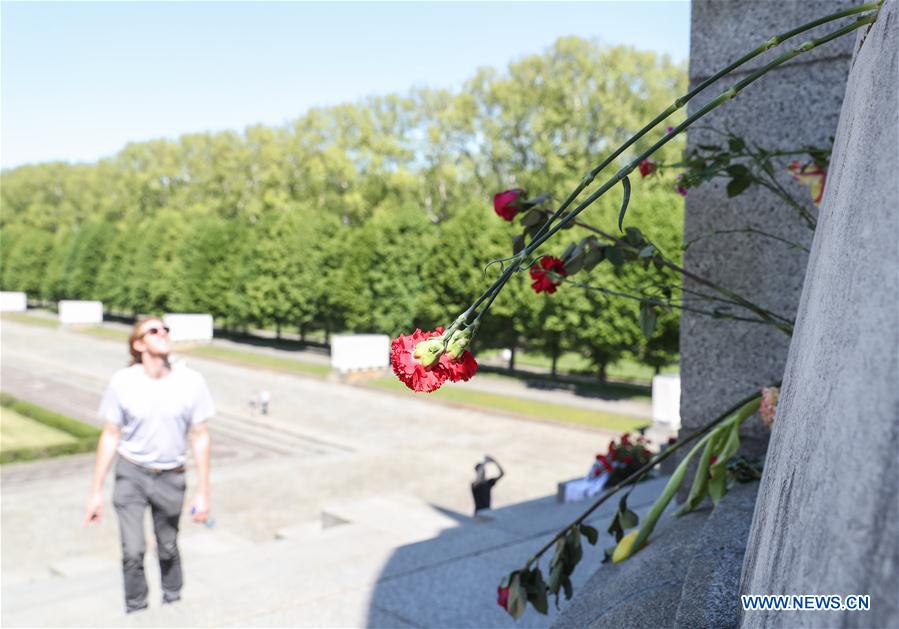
(149, 410)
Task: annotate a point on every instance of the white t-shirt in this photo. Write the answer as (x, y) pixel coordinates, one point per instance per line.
(156, 413)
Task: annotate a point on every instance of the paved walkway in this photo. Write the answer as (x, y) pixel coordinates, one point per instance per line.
(397, 470)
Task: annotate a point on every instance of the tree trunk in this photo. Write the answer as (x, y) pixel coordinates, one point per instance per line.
(555, 360)
(278, 330)
(602, 371)
(302, 332)
(512, 358)
(658, 369)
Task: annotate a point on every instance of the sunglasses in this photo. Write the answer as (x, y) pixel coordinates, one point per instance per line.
(154, 331)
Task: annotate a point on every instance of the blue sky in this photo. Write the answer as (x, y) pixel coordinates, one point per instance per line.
(80, 80)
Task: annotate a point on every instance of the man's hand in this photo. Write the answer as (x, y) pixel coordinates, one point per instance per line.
(199, 508)
(94, 510)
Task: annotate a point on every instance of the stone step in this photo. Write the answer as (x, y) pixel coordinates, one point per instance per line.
(687, 577)
(710, 594)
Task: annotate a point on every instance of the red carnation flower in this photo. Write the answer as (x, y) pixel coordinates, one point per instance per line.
(502, 597)
(459, 370)
(625, 439)
(627, 460)
(411, 372)
(647, 167)
(505, 203)
(604, 461)
(540, 274)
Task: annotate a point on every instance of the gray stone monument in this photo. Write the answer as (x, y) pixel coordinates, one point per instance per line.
(794, 106)
(827, 516)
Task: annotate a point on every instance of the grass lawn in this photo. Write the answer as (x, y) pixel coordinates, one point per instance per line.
(18, 431)
(103, 332)
(529, 408)
(21, 317)
(254, 359)
(30, 432)
(572, 362)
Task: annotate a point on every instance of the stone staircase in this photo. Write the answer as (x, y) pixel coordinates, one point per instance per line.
(688, 577)
(387, 560)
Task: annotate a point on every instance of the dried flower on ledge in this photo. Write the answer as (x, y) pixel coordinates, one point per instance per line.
(768, 406)
(812, 176)
(540, 271)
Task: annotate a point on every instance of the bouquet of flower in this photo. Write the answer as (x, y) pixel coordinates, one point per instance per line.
(623, 458)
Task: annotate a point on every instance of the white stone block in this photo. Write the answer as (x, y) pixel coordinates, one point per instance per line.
(189, 327)
(666, 400)
(73, 312)
(13, 302)
(350, 352)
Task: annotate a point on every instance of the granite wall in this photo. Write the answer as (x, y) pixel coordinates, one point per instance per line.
(796, 105)
(827, 516)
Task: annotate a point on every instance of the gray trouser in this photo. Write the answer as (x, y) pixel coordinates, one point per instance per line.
(137, 487)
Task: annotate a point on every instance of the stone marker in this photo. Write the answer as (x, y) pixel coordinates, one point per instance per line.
(76, 312)
(13, 302)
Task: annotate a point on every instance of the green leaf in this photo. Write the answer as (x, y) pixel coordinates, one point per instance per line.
(627, 197)
(736, 144)
(614, 255)
(534, 217)
(590, 533)
(633, 236)
(736, 186)
(518, 597)
(555, 579)
(575, 264)
(540, 198)
(737, 171)
(517, 244)
(718, 481)
(699, 489)
(647, 251)
(648, 319)
(594, 256)
(575, 551)
(537, 591)
(607, 553)
(566, 585)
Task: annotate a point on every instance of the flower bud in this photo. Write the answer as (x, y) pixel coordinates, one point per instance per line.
(428, 352)
(458, 343)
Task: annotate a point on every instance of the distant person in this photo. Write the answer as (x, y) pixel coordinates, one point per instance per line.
(150, 408)
(482, 486)
(264, 398)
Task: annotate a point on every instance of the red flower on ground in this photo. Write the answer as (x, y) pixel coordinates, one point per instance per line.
(409, 370)
(605, 462)
(502, 597)
(647, 167)
(505, 204)
(459, 370)
(540, 274)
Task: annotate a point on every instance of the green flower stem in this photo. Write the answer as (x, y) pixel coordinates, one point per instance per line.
(722, 98)
(674, 483)
(748, 230)
(658, 302)
(782, 323)
(643, 471)
(683, 100)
